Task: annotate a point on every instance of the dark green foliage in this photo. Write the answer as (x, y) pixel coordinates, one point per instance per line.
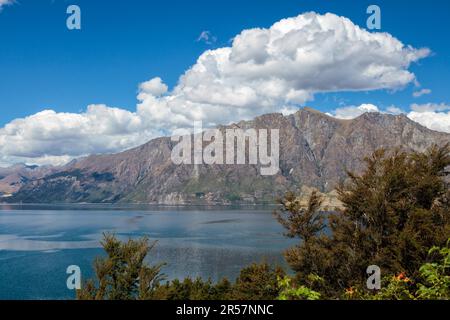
(258, 282)
(393, 212)
(299, 221)
(196, 289)
(255, 282)
(123, 274)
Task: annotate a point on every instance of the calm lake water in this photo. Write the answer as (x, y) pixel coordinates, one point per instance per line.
(38, 243)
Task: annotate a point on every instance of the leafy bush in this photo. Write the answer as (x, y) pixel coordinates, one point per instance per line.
(436, 276)
(290, 292)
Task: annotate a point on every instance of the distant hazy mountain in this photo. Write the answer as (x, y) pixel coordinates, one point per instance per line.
(12, 178)
(315, 150)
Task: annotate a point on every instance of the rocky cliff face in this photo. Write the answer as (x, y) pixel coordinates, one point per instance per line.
(315, 151)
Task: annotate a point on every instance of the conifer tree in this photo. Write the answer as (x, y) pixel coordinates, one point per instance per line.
(123, 274)
(392, 213)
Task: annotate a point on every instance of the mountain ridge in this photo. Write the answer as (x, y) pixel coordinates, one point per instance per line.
(315, 152)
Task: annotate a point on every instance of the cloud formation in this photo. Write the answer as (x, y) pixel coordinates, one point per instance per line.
(351, 112)
(154, 87)
(394, 110)
(421, 92)
(50, 137)
(429, 107)
(207, 37)
(431, 115)
(5, 3)
(268, 70)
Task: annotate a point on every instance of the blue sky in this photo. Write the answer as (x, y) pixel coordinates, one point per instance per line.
(43, 65)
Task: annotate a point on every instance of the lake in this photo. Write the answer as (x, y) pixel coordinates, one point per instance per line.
(39, 242)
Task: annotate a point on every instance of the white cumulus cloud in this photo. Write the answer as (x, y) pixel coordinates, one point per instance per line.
(439, 121)
(51, 137)
(351, 112)
(274, 69)
(429, 107)
(267, 70)
(154, 87)
(432, 115)
(394, 110)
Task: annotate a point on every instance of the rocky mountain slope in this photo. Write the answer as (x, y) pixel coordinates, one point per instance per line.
(315, 150)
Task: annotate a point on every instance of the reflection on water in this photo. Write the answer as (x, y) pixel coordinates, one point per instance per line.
(38, 243)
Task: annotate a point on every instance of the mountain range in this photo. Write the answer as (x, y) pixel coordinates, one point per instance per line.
(315, 152)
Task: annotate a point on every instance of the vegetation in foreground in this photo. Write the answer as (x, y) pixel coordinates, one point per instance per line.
(396, 215)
